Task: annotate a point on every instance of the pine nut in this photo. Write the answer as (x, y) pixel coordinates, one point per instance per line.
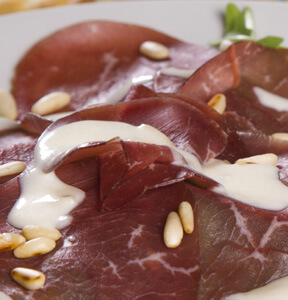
(224, 45)
(8, 107)
(185, 212)
(218, 102)
(173, 231)
(12, 168)
(30, 279)
(266, 159)
(31, 232)
(35, 247)
(10, 241)
(51, 103)
(283, 136)
(154, 50)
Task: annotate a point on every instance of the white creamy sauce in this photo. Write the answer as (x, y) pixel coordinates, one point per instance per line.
(57, 116)
(184, 73)
(276, 290)
(124, 88)
(7, 124)
(54, 143)
(254, 184)
(271, 100)
(4, 296)
(45, 200)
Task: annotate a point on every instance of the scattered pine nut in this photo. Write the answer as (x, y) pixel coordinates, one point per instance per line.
(51, 103)
(224, 45)
(266, 159)
(154, 50)
(35, 247)
(30, 279)
(283, 136)
(10, 241)
(31, 232)
(12, 168)
(185, 212)
(173, 231)
(8, 107)
(218, 102)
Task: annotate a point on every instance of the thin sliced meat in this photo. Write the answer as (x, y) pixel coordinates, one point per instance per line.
(17, 152)
(140, 91)
(229, 122)
(261, 66)
(241, 247)
(93, 60)
(186, 126)
(235, 73)
(116, 255)
(283, 166)
(129, 169)
(120, 252)
(114, 247)
(126, 245)
(34, 124)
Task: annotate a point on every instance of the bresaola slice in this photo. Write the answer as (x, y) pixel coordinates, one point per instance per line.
(138, 224)
(241, 247)
(244, 61)
(236, 73)
(182, 123)
(128, 169)
(118, 255)
(114, 248)
(93, 60)
(126, 245)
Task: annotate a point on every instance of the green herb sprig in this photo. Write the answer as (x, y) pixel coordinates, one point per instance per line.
(240, 26)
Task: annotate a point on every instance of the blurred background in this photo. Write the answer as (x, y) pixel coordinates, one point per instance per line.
(8, 6)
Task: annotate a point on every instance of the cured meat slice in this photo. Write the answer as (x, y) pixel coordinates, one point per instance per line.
(236, 73)
(182, 123)
(129, 169)
(23, 151)
(123, 254)
(229, 122)
(93, 60)
(141, 91)
(247, 61)
(113, 249)
(126, 245)
(241, 247)
(116, 255)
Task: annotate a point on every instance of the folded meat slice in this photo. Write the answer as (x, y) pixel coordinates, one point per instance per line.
(244, 61)
(185, 125)
(129, 169)
(235, 73)
(93, 61)
(120, 254)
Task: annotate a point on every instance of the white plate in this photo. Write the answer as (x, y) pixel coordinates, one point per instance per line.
(198, 22)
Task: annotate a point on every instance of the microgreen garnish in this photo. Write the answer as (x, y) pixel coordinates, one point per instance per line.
(240, 26)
